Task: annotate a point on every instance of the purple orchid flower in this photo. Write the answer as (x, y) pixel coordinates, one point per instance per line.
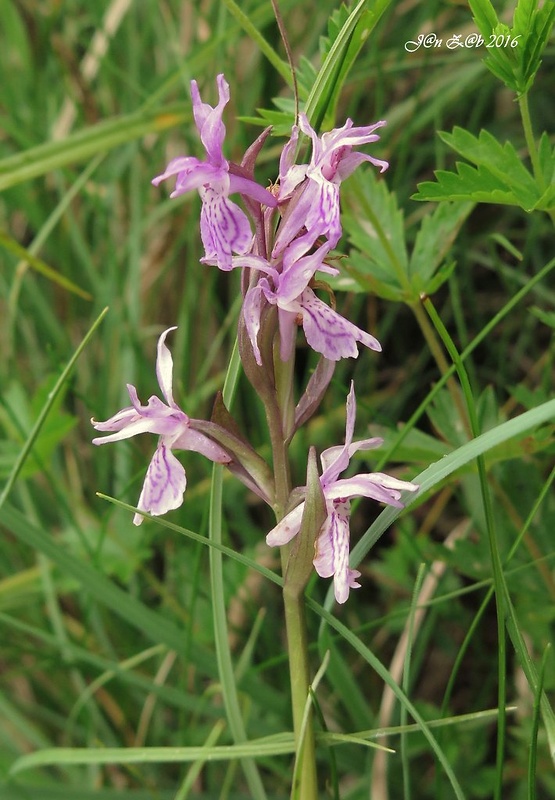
(224, 227)
(165, 480)
(316, 207)
(332, 545)
(326, 331)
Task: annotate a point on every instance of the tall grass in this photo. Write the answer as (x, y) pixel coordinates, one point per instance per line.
(150, 662)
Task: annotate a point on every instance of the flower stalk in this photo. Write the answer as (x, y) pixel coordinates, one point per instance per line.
(281, 240)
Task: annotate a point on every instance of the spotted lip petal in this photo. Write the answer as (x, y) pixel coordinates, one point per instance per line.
(332, 552)
(332, 546)
(224, 227)
(164, 484)
(329, 333)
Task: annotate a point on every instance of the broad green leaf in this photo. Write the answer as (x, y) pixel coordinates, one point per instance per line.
(484, 13)
(16, 417)
(499, 175)
(468, 183)
(501, 159)
(534, 25)
(515, 65)
(374, 225)
(433, 241)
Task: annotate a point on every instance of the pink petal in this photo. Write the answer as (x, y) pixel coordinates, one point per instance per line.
(177, 165)
(209, 120)
(329, 333)
(252, 309)
(224, 228)
(332, 551)
(197, 442)
(164, 485)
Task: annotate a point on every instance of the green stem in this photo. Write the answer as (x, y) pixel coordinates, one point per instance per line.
(297, 642)
(501, 591)
(279, 416)
(219, 613)
(444, 367)
(530, 141)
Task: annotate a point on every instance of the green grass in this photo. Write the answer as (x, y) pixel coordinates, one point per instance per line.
(151, 662)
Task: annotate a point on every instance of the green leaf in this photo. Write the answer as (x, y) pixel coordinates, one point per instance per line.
(478, 185)
(319, 91)
(41, 267)
(546, 156)
(248, 26)
(49, 403)
(151, 624)
(498, 177)
(417, 447)
(449, 464)
(340, 58)
(375, 227)
(535, 27)
(433, 241)
(515, 66)
(362, 30)
(485, 15)
(86, 143)
(502, 160)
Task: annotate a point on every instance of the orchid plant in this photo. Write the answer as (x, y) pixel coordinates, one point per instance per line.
(282, 243)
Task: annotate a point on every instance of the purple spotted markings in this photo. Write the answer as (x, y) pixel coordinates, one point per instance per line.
(224, 226)
(333, 542)
(165, 481)
(326, 331)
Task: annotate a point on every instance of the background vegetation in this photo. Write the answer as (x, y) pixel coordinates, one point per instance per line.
(107, 630)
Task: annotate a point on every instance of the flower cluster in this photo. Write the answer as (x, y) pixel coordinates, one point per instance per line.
(332, 544)
(281, 242)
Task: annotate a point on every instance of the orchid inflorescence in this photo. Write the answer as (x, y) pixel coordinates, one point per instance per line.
(296, 225)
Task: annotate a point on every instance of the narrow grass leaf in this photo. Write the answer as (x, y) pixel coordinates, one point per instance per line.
(42, 267)
(151, 624)
(325, 85)
(62, 380)
(245, 21)
(449, 464)
(86, 143)
(219, 608)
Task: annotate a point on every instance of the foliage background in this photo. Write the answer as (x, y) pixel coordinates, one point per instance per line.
(107, 630)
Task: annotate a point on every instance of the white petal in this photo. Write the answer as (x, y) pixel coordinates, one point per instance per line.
(287, 528)
(164, 368)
